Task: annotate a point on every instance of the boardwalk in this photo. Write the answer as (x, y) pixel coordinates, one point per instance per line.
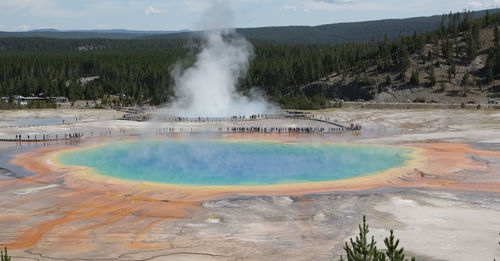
(43, 137)
(234, 119)
(240, 129)
(284, 123)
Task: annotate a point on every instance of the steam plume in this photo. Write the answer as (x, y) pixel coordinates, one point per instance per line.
(208, 88)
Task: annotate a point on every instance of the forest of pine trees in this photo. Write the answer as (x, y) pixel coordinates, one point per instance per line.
(139, 70)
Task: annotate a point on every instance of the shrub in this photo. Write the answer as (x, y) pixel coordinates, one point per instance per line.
(362, 250)
(5, 256)
(415, 78)
(442, 87)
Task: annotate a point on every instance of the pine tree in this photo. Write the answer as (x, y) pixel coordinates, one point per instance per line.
(471, 48)
(432, 77)
(465, 83)
(437, 55)
(448, 51)
(442, 87)
(494, 55)
(388, 80)
(405, 59)
(361, 249)
(415, 77)
(392, 252)
(476, 30)
(496, 35)
(452, 71)
(489, 70)
(5, 256)
(441, 27)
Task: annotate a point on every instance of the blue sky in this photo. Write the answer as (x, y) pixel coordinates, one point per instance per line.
(21, 15)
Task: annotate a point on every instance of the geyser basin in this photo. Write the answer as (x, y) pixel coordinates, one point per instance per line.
(234, 163)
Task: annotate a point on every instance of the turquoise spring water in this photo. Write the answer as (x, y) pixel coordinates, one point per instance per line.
(212, 163)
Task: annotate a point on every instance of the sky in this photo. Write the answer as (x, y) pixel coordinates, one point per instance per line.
(22, 15)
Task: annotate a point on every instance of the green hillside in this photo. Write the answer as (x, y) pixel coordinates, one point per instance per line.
(84, 34)
(339, 32)
(458, 62)
(321, 34)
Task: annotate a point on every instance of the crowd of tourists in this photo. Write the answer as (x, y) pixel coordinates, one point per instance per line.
(47, 137)
(283, 129)
(240, 129)
(215, 119)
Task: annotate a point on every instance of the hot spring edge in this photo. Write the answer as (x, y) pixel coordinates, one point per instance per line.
(234, 163)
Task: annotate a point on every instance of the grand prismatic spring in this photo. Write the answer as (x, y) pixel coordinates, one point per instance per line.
(233, 163)
(255, 196)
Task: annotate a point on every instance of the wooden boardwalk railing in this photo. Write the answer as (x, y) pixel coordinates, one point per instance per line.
(243, 119)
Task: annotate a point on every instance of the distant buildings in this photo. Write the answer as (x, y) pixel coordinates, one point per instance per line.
(24, 101)
(84, 80)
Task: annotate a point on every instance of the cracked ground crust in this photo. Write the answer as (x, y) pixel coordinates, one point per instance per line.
(108, 224)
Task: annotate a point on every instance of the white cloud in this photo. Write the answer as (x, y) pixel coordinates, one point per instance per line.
(102, 26)
(177, 28)
(151, 10)
(134, 3)
(21, 4)
(490, 4)
(23, 28)
(336, 2)
(196, 6)
(288, 8)
(336, 5)
(474, 4)
(37, 8)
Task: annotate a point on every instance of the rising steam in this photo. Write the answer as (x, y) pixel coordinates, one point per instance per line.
(208, 88)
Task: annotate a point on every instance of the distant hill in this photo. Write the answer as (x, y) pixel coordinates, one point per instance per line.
(336, 33)
(321, 34)
(427, 78)
(86, 34)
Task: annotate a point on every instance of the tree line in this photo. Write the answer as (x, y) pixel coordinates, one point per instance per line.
(139, 71)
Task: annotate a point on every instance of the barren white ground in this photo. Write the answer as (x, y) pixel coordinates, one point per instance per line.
(432, 225)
